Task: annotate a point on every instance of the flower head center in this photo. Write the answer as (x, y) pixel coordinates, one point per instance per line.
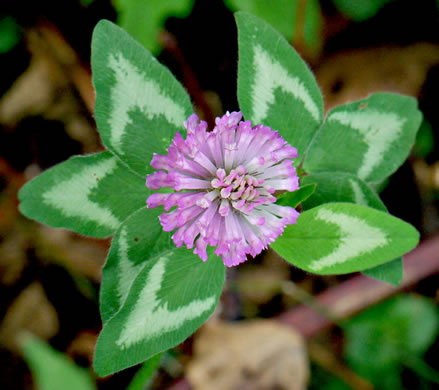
(238, 189)
(224, 181)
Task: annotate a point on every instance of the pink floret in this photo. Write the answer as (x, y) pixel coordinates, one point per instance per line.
(225, 182)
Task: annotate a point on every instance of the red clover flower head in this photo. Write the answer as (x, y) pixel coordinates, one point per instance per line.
(225, 182)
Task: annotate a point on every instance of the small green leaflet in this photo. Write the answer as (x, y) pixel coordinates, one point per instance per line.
(173, 294)
(391, 272)
(91, 195)
(345, 187)
(139, 104)
(340, 187)
(360, 10)
(144, 20)
(369, 138)
(282, 15)
(138, 239)
(10, 33)
(275, 87)
(424, 144)
(338, 238)
(396, 331)
(51, 369)
(293, 199)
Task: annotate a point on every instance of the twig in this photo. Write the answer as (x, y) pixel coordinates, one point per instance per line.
(360, 292)
(190, 81)
(78, 73)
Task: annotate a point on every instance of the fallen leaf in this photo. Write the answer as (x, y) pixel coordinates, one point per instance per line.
(30, 311)
(256, 355)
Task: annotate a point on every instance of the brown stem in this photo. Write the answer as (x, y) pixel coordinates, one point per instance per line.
(190, 81)
(78, 73)
(299, 27)
(360, 292)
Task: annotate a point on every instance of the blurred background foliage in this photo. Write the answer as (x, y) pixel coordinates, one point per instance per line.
(358, 333)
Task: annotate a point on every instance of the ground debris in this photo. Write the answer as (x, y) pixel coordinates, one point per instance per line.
(257, 355)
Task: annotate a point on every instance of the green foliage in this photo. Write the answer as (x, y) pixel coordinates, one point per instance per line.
(391, 272)
(139, 108)
(345, 187)
(172, 295)
(293, 199)
(283, 14)
(358, 145)
(86, 3)
(389, 334)
(10, 33)
(52, 370)
(139, 104)
(91, 195)
(338, 238)
(145, 374)
(369, 138)
(360, 10)
(139, 239)
(275, 86)
(424, 144)
(154, 295)
(340, 187)
(320, 379)
(144, 19)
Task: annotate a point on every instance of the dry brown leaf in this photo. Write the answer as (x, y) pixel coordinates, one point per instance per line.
(30, 311)
(83, 346)
(80, 255)
(34, 91)
(355, 74)
(259, 284)
(13, 257)
(256, 355)
(47, 88)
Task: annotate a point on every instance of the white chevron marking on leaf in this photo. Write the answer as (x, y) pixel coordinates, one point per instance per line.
(128, 270)
(133, 90)
(358, 193)
(151, 317)
(71, 196)
(270, 75)
(379, 130)
(356, 238)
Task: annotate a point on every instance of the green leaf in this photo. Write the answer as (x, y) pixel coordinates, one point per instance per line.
(91, 195)
(340, 187)
(391, 272)
(382, 337)
(139, 104)
(293, 199)
(369, 138)
(338, 238)
(345, 187)
(138, 239)
(360, 10)
(424, 144)
(275, 86)
(174, 293)
(10, 33)
(422, 369)
(282, 15)
(52, 370)
(145, 19)
(144, 376)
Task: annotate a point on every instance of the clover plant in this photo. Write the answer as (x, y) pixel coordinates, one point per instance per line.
(227, 193)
